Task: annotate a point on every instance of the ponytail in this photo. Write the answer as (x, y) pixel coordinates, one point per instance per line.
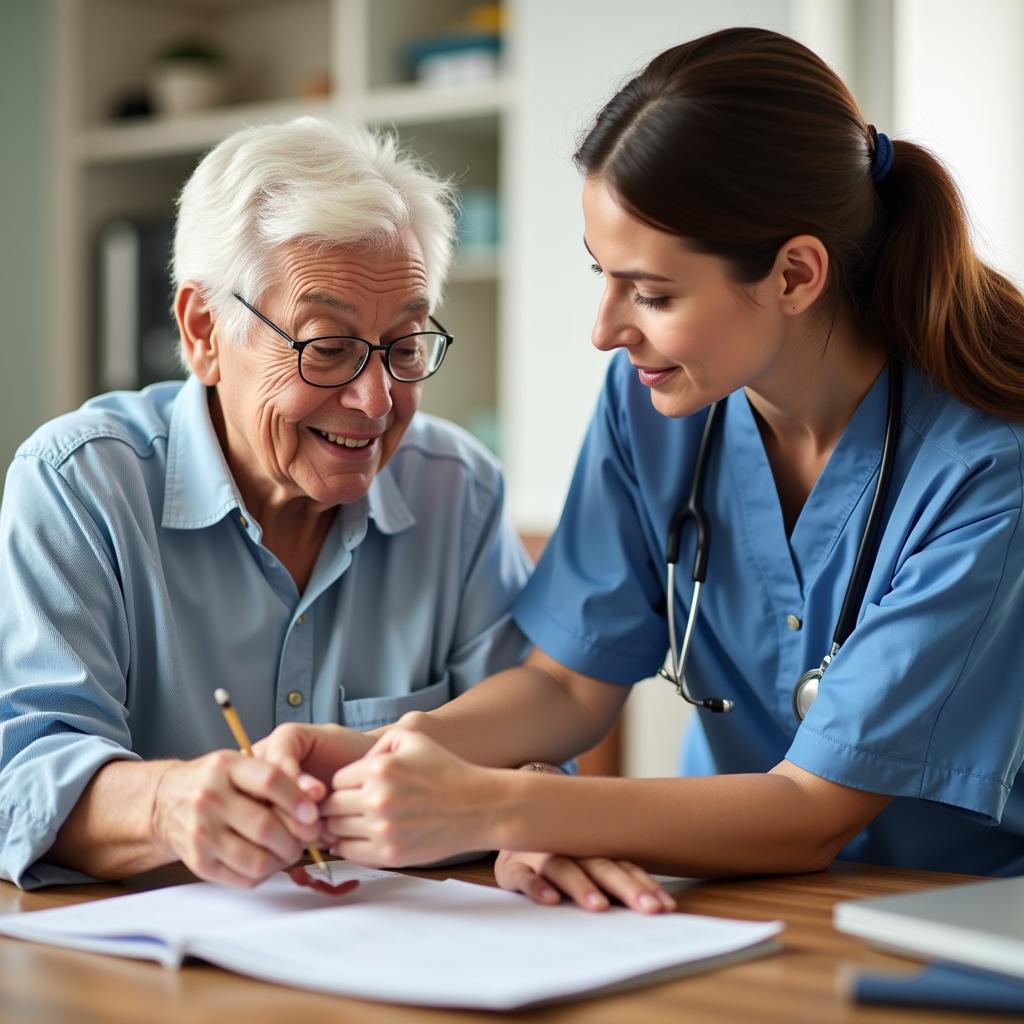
(741, 139)
(934, 301)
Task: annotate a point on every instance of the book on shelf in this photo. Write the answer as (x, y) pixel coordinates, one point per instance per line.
(137, 340)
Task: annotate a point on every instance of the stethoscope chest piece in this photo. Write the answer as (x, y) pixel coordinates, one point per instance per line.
(805, 693)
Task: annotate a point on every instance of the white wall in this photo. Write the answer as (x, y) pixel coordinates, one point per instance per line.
(855, 37)
(26, 71)
(575, 53)
(959, 89)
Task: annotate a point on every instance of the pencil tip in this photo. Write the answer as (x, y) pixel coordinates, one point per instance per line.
(220, 695)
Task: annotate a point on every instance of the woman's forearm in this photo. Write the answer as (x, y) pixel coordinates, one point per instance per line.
(704, 827)
(522, 714)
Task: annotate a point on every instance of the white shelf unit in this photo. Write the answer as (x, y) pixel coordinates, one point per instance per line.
(108, 168)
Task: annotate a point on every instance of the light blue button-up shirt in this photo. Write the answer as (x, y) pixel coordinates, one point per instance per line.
(924, 701)
(134, 583)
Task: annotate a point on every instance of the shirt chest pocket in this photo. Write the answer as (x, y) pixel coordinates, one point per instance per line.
(374, 712)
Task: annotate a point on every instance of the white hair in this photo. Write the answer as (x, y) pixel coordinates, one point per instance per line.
(309, 179)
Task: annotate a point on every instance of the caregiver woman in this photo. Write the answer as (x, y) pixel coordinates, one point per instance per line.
(763, 248)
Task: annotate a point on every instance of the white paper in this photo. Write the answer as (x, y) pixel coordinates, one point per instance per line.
(158, 924)
(396, 938)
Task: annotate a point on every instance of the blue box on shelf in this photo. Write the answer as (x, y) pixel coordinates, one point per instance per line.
(457, 59)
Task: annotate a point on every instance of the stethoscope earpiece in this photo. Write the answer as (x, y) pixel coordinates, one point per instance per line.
(718, 705)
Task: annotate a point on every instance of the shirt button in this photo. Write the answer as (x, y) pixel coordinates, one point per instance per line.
(301, 619)
(294, 698)
(793, 622)
(243, 522)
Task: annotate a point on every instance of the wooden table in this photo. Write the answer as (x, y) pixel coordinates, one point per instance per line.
(805, 982)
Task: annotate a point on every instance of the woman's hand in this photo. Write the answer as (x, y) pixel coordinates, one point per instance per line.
(408, 801)
(587, 881)
(312, 750)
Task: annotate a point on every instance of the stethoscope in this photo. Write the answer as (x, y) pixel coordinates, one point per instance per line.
(805, 692)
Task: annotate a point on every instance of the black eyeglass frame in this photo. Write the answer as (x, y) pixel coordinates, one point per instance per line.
(385, 350)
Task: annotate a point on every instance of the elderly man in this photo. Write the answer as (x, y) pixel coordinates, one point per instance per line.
(282, 524)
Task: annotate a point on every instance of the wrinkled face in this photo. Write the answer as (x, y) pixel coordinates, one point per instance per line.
(287, 439)
(690, 331)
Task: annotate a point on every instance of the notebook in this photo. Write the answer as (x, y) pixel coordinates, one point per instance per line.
(400, 939)
(979, 923)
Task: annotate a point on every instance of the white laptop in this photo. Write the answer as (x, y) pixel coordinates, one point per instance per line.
(978, 923)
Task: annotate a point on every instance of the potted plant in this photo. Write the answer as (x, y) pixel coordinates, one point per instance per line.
(187, 75)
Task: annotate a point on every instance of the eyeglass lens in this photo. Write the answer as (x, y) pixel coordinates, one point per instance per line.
(333, 361)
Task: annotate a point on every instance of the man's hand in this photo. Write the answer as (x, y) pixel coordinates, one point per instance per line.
(234, 819)
(317, 751)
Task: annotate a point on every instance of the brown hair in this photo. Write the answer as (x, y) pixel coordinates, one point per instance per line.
(739, 140)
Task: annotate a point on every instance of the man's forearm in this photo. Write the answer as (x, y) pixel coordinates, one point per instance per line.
(110, 833)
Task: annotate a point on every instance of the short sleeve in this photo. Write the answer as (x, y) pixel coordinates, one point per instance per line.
(486, 638)
(63, 655)
(924, 699)
(595, 601)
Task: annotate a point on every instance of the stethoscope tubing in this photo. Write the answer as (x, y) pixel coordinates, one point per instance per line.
(694, 507)
(861, 570)
(693, 510)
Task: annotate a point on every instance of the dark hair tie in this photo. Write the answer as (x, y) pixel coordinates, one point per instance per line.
(882, 157)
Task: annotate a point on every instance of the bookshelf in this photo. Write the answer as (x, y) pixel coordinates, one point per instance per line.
(279, 56)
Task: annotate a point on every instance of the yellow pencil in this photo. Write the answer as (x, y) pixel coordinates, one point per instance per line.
(241, 738)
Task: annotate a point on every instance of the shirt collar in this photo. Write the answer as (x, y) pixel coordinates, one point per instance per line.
(387, 506)
(200, 490)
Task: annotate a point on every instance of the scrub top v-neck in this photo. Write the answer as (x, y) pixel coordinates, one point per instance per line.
(921, 703)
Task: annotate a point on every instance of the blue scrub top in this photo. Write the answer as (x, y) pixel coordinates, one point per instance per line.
(925, 700)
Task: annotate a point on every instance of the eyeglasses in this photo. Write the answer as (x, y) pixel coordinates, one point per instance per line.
(332, 361)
